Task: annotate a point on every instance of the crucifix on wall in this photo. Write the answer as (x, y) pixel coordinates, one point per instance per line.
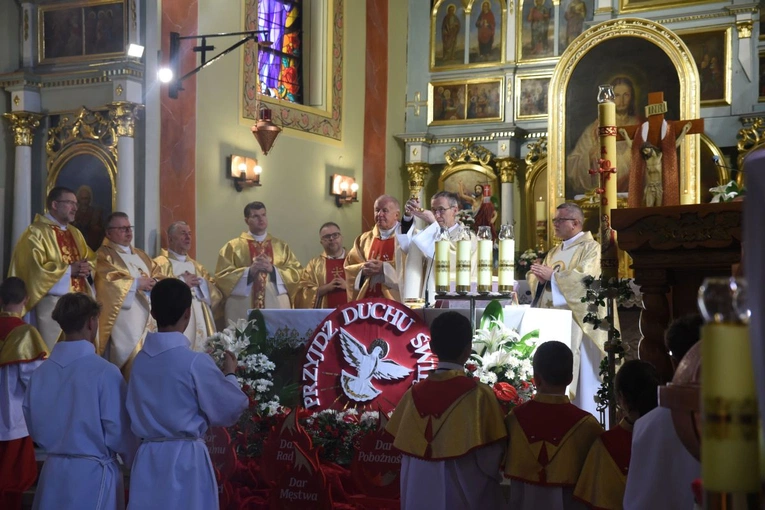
(654, 178)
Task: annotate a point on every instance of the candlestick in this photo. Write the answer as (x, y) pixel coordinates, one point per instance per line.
(485, 246)
(506, 271)
(463, 263)
(607, 167)
(541, 210)
(442, 263)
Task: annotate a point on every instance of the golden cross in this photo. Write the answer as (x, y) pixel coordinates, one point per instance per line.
(417, 103)
(338, 272)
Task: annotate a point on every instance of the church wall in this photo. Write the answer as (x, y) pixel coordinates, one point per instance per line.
(295, 178)
(396, 183)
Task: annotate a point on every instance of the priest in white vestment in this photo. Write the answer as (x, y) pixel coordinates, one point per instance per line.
(557, 283)
(256, 270)
(174, 396)
(206, 297)
(420, 246)
(75, 411)
(124, 277)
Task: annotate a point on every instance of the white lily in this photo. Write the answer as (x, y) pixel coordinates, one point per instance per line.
(493, 338)
(720, 193)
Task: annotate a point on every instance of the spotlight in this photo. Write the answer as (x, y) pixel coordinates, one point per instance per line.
(135, 50)
(165, 74)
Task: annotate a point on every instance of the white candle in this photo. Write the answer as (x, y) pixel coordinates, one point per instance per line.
(541, 210)
(506, 265)
(442, 266)
(484, 265)
(463, 265)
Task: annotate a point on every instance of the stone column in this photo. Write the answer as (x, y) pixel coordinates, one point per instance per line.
(123, 115)
(507, 168)
(556, 27)
(23, 125)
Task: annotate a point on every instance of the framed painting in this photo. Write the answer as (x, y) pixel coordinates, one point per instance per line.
(448, 26)
(762, 78)
(531, 94)
(574, 14)
(535, 30)
(487, 41)
(484, 100)
(762, 21)
(82, 31)
(711, 50)
(448, 104)
(655, 5)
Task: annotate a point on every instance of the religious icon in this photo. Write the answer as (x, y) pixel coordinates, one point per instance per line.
(531, 96)
(537, 30)
(483, 101)
(575, 14)
(449, 37)
(484, 37)
(711, 50)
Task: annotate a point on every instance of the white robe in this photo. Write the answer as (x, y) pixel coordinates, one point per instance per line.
(174, 396)
(14, 379)
(467, 482)
(661, 469)
(196, 331)
(75, 410)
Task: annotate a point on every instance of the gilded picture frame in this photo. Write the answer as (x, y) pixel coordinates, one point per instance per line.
(762, 21)
(82, 31)
(466, 102)
(761, 83)
(535, 32)
(607, 35)
(531, 95)
(711, 50)
(477, 38)
(632, 6)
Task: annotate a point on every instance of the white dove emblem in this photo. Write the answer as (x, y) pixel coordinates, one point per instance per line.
(368, 365)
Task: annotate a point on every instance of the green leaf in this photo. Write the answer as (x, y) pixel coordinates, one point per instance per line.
(493, 312)
(258, 333)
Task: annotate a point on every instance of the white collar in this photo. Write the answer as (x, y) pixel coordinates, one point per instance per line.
(54, 220)
(385, 234)
(454, 227)
(446, 365)
(341, 256)
(180, 257)
(125, 249)
(568, 242)
(259, 238)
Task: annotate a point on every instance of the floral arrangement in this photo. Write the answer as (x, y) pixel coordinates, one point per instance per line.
(502, 359)
(465, 216)
(338, 433)
(525, 259)
(727, 192)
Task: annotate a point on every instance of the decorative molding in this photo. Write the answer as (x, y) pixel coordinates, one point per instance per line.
(507, 167)
(417, 173)
(537, 151)
(695, 17)
(744, 29)
(417, 103)
(750, 138)
(469, 152)
(23, 125)
(134, 14)
(118, 91)
(84, 126)
(123, 115)
(16, 99)
(689, 230)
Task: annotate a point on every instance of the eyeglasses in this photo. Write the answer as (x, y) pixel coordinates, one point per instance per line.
(331, 237)
(121, 229)
(441, 210)
(561, 220)
(70, 202)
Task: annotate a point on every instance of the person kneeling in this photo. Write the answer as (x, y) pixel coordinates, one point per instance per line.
(174, 396)
(450, 429)
(75, 411)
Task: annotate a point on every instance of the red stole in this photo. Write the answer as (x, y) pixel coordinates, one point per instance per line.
(380, 250)
(70, 254)
(334, 269)
(618, 443)
(257, 249)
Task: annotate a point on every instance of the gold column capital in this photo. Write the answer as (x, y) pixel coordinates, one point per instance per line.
(744, 28)
(123, 115)
(417, 173)
(23, 125)
(507, 169)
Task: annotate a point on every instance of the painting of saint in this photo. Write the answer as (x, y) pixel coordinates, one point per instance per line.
(484, 100)
(532, 101)
(537, 30)
(448, 102)
(485, 39)
(710, 51)
(63, 32)
(449, 40)
(576, 13)
(104, 29)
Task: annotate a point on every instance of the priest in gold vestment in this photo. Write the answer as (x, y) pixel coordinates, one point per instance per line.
(53, 259)
(557, 283)
(206, 298)
(374, 264)
(322, 282)
(256, 270)
(125, 276)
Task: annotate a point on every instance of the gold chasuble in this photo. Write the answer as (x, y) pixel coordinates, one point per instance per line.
(604, 476)
(320, 271)
(19, 342)
(234, 261)
(123, 322)
(370, 246)
(446, 416)
(202, 324)
(549, 440)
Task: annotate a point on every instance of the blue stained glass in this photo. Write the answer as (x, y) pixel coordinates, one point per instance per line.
(280, 66)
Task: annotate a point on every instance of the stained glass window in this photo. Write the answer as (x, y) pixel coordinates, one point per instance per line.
(281, 66)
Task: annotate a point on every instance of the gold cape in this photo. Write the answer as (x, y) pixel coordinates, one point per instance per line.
(543, 462)
(354, 262)
(314, 275)
(37, 258)
(602, 482)
(113, 281)
(22, 344)
(472, 420)
(163, 260)
(585, 261)
(234, 259)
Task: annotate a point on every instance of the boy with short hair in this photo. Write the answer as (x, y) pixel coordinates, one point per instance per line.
(450, 429)
(549, 437)
(174, 396)
(75, 410)
(22, 350)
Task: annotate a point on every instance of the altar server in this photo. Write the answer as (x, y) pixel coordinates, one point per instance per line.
(449, 428)
(75, 411)
(549, 437)
(174, 396)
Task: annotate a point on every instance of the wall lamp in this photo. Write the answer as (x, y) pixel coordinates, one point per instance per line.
(344, 189)
(244, 171)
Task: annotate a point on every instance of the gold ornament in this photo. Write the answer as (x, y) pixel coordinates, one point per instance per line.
(23, 125)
